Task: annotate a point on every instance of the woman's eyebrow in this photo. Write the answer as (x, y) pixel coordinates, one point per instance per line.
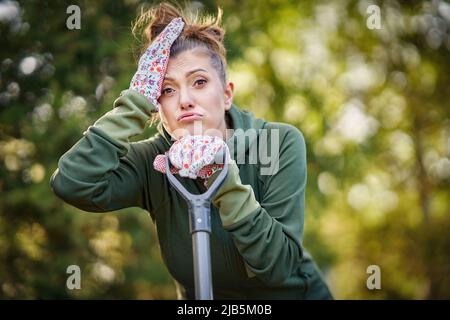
(187, 73)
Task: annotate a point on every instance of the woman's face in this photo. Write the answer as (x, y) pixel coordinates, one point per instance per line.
(193, 97)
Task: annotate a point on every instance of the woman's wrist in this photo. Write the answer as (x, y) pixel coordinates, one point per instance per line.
(234, 200)
(128, 117)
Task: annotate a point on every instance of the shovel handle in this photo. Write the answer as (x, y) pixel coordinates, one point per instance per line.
(192, 198)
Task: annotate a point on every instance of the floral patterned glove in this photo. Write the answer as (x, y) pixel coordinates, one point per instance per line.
(194, 156)
(152, 65)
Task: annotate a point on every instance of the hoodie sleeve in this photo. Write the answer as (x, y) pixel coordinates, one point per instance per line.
(269, 234)
(101, 172)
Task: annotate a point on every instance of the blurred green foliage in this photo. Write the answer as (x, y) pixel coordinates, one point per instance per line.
(373, 106)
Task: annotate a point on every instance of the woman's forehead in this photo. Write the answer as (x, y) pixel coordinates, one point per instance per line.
(186, 63)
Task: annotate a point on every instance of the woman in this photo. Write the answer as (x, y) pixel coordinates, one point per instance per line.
(257, 218)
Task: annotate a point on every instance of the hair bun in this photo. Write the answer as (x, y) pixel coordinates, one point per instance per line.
(155, 20)
(217, 33)
(205, 29)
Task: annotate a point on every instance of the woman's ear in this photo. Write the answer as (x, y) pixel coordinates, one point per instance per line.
(229, 92)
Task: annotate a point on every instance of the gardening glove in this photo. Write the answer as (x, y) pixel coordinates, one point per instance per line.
(134, 107)
(194, 156)
(152, 66)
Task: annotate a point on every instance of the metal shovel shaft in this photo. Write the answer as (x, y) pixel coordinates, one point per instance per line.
(200, 228)
(202, 253)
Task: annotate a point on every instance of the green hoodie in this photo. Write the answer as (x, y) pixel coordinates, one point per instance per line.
(256, 218)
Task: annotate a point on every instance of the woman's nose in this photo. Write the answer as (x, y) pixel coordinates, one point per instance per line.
(186, 100)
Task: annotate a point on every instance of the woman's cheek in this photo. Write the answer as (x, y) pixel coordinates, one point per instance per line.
(166, 114)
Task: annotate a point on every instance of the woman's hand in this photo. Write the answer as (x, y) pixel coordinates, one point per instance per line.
(191, 153)
(152, 65)
(194, 156)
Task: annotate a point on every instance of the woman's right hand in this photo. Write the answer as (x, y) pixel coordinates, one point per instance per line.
(152, 65)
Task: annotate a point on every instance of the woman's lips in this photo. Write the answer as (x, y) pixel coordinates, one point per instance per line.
(189, 117)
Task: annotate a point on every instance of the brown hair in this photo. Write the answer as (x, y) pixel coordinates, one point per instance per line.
(200, 32)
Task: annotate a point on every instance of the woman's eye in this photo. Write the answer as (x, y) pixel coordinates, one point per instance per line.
(200, 82)
(167, 91)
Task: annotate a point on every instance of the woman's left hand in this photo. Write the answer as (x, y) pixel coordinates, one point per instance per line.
(194, 156)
